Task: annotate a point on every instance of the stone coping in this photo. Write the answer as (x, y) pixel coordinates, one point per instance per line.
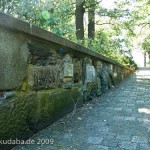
(11, 23)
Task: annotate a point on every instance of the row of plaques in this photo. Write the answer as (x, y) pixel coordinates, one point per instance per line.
(90, 71)
(45, 77)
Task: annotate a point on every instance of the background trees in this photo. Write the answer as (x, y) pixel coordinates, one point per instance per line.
(109, 31)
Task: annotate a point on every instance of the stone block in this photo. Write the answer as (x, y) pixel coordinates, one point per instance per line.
(123, 137)
(110, 142)
(127, 145)
(94, 140)
(100, 147)
(13, 60)
(18, 118)
(137, 139)
(22, 116)
(67, 79)
(54, 104)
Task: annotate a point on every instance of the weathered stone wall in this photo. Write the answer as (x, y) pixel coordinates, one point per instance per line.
(42, 77)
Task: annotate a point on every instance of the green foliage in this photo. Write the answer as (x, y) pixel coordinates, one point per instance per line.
(51, 15)
(58, 16)
(146, 44)
(45, 15)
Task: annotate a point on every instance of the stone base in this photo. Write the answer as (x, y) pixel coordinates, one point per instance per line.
(24, 115)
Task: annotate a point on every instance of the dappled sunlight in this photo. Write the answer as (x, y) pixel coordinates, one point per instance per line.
(141, 88)
(144, 110)
(138, 57)
(146, 120)
(143, 76)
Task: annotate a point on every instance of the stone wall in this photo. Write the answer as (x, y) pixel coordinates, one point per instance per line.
(43, 76)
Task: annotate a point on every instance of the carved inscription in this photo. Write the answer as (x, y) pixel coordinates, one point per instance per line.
(42, 77)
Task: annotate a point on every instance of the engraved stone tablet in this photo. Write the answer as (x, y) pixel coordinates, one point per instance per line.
(42, 77)
(90, 73)
(68, 70)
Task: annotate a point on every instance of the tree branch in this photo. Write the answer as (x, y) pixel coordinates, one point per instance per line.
(144, 24)
(107, 23)
(104, 23)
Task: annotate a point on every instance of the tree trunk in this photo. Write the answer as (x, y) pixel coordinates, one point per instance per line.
(144, 59)
(149, 57)
(91, 20)
(80, 19)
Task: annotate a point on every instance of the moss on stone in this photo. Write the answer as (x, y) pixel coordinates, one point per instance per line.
(26, 114)
(54, 105)
(15, 114)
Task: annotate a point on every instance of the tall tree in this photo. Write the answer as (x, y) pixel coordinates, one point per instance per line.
(91, 19)
(79, 13)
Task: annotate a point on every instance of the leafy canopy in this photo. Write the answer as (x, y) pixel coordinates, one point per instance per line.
(115, 27)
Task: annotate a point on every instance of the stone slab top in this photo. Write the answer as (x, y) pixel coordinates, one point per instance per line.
(11, 23)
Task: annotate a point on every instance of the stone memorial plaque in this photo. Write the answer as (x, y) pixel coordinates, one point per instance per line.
(42, 77)
(90, 73)
(68, 70)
